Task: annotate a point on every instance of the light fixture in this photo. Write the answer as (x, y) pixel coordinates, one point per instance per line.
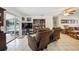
(69, 11)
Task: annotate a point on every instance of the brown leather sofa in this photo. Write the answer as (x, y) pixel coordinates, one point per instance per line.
(41, 40)
(57, 32)
(32, 43)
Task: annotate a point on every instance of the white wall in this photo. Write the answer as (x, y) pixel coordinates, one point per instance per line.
(48, 19)
(75, 17)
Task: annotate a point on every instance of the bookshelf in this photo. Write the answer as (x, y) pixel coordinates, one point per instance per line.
(38, 24)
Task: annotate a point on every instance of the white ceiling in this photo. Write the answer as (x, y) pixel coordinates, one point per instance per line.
(37, 11)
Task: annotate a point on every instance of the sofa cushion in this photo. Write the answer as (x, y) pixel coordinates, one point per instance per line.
(42, 37)
(32, 43)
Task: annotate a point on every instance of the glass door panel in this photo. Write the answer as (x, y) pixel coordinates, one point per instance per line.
(17, 27)
(10, 27)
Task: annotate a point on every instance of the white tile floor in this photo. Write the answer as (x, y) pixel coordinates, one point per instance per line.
(19, 45)
(65, 43)
(9, 37)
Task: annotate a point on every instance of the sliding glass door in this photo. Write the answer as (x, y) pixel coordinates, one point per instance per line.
(17, 27)
(12, 27)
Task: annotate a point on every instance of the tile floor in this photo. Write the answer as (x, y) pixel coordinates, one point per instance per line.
(65, 43)
(9, 37)
(19, 45)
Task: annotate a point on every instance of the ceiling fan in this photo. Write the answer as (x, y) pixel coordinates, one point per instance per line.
(69, 11)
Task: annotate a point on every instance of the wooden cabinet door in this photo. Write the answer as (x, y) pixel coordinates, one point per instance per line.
(1, 16)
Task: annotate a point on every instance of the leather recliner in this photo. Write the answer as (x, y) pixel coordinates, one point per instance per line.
(40, 41)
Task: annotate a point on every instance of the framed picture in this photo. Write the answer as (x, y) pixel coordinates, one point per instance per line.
(28, 18)
(23, 19)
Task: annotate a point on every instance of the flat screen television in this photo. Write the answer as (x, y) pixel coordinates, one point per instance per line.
(26, 25)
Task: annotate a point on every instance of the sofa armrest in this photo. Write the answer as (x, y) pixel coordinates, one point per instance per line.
(32, 43)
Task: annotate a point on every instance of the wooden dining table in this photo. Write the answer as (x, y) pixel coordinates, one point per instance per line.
(74, 33)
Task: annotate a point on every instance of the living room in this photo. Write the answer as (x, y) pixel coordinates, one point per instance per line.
(40, 28)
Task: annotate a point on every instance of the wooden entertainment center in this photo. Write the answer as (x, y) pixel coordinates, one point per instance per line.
(32, 24)
(37, 24)
(2, 34)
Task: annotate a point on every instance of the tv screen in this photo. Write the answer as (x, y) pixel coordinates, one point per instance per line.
(26, 25)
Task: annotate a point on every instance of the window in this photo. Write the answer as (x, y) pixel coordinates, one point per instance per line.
(12, 27)
(69, 21)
